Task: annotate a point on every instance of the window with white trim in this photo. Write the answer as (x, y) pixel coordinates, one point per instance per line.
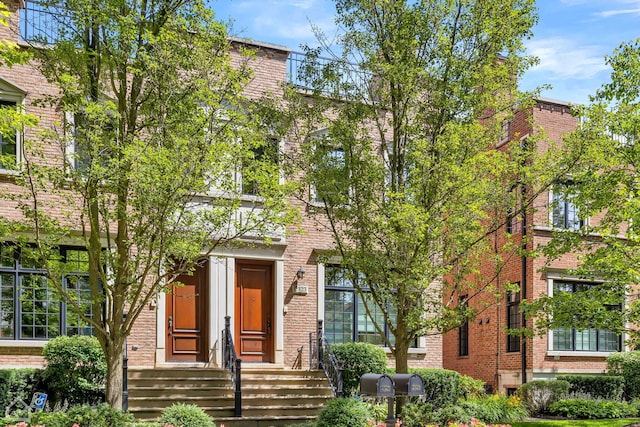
(564, 212)
(331, 186)
(513, 320)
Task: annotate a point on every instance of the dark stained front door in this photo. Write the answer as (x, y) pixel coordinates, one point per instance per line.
(254, 311)
(186, 319)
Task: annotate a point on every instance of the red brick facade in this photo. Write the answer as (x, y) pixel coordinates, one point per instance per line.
(296, 315)
(488, 358)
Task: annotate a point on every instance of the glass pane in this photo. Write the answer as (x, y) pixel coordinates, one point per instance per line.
(586, 340)
(7, 311)
(608, 341)
(7, 256)
(78, 287)
(78, 260)
(366, 328)
(337, 277)
(338, 316)
(563, 339)
(558, 212)
(39, 310)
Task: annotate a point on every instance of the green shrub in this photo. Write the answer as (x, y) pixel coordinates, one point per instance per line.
(608, 387)
(76, 370)
(181, 414)
(495, 408)
(343, 412)
(471, 387)
(18, 383)
(441, 386)
(451, 414)
(538, 395)
(417, 414)
(101, 416)
(591, 409)
(627, 365)
(358, 359)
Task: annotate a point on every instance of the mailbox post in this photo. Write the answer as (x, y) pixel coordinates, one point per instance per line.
(380, 385)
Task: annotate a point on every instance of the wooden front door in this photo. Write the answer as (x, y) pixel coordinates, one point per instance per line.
(186, 319)
(254, 311)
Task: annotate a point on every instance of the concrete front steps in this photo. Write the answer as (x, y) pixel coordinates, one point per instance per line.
(270, 396)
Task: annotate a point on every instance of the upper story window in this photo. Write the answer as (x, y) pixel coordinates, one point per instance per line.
(505, 130)
(331, 178)
(11, 98)
(591, 339)
(564, 212)
(259, 168)
(29, 306)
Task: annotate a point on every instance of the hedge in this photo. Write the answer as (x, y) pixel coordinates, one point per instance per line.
(608, 387)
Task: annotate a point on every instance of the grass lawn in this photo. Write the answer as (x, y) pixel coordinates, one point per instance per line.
(577, 423)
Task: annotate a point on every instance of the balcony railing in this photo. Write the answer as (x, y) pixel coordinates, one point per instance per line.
(39, 24)
(330, 77)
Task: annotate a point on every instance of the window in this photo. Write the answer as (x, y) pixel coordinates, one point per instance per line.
(564, 212)
(566, 339)
(330, 184)
(8, 142)
(259, 167)
(346, 319)
(505, 130)
(513, 320)
(463, 330)
(29, 308)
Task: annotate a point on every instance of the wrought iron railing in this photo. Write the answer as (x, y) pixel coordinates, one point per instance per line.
(231, 363)
(322, 357)
(41, 24)
(331, 77)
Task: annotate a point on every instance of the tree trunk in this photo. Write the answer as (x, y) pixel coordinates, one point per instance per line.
(114, 376)
(401, 353)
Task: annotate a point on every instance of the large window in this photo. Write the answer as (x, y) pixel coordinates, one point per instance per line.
(331, 177)
(29, 307)
(571, 339)
(513, 320)
(564, 213)
(261, 167)
(346, 319)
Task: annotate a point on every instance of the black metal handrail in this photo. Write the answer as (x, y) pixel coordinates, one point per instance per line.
(322, 357)
(40, 23)
(231, 363)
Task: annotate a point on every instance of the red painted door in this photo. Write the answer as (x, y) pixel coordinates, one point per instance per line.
(186, 319)
(254, 311)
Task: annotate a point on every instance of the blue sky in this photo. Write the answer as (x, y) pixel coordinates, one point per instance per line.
(571, 38)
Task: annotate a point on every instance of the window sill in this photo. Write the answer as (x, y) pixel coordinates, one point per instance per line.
(9, 173)
(22, 343)
(418, 350)
(602, 354)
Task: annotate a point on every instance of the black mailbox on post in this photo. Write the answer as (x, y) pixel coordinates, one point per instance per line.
(379, 385)
(408, 385)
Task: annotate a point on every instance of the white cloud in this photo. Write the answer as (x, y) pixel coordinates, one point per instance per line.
(615, 12)
(562, 58)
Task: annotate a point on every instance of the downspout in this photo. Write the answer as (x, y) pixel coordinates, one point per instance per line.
(523, 288)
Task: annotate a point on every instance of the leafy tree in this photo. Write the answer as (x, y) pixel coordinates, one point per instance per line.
(399, 152)
(154, 127)
(605, 190)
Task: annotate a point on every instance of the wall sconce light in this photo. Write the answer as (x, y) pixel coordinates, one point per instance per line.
(487, 320)
(479, 321)
(300, 273)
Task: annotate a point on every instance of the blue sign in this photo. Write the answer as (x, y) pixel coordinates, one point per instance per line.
(39, 400)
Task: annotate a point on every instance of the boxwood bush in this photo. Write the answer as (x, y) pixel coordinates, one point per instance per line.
(343, 412)
(183, 415)
(627, 365)
(75, 370)
(591, 409)
(358, 359)
(442, 387)
(608, 387)
(539, 394)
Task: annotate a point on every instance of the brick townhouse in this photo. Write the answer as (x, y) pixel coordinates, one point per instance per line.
(481, 347)
(287, 284)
